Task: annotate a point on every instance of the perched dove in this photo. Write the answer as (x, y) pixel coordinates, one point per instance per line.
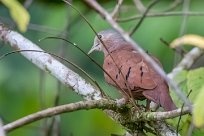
(131, 71)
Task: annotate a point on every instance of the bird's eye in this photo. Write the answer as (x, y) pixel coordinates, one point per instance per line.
(99, 36)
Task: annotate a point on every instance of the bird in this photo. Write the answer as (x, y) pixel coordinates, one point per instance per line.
(127, 70)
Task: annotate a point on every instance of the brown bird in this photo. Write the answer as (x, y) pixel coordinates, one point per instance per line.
(131, 71)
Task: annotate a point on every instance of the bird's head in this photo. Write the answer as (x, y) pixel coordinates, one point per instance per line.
(110, 38)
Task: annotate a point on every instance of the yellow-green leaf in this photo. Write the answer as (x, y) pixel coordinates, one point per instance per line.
(190, 39)
(195, 80)
(18, 13)
(198, 110)
(181, 76)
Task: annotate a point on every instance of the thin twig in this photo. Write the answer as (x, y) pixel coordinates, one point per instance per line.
(190, 129)
(177, 56)
(187, 61)
(173, 49)
(175, 4)
(179, 120)
(139, 5)
(143, 16)
(163, 14)
(186, 4)
(116, 10)
(95, 62)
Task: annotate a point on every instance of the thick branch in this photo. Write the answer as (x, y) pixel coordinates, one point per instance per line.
(1, 129)
(100, 104)
(47, 63)
(133, 116)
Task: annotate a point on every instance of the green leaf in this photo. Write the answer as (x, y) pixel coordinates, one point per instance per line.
(18, 13)
(181, 77)
(198, 110)
(191, 80)
(195, 80)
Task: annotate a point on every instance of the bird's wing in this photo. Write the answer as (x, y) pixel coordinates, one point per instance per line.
(129, 70)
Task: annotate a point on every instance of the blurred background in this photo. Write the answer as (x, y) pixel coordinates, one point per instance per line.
(25, 89)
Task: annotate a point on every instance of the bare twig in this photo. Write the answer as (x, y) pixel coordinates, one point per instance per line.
(173, 49)
(109, 19)
(139, 5)
(186, 4)
(143, 16)
(116, 10)
(177, 56)
(190, 129)
(163, 14)
(45, 29)
(187, 61)
(101, 104)
(173, 5)
(179, 120)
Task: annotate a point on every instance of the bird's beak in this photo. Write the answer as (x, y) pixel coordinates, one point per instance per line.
(91, 50)
(94, 47)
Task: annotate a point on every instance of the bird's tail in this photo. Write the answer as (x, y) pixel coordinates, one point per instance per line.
(165, 99)
(161, 96)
